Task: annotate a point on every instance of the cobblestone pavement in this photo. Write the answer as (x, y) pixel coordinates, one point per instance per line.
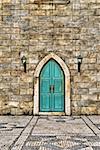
(49, 133)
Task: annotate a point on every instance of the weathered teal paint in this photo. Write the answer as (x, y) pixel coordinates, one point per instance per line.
(52, 88)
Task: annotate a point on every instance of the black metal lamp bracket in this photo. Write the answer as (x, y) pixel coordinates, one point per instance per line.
(79, 66)
(24, 64)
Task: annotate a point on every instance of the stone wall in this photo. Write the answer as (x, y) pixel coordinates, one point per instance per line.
(35, 28)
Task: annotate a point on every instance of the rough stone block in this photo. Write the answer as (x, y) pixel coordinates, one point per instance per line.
(89, 110)
(6, 1)
(89, 97)
(16, 111)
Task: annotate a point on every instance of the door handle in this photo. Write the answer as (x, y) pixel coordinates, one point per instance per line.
(52, 88)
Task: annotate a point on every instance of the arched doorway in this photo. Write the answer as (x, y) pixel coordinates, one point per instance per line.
(61, 69)
(51, 88)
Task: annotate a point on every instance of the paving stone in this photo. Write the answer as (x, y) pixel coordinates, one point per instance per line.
(11, 128)
(92, 125)
(51, 126)
(35, 28)
(47, 136)
(45, 133)
(19, 143)
(58, 142)
(96, 147)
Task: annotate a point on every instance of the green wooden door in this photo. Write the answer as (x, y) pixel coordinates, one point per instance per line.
(52, 88)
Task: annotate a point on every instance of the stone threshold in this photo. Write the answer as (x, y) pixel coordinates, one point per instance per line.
(52, 113)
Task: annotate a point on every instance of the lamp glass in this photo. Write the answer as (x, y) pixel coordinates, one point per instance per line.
(79, 58)
(23, 59)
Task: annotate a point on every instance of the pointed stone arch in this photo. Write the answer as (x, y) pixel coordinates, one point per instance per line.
(67, 82)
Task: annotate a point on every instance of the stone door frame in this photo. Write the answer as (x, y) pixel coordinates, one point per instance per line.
(67, 83)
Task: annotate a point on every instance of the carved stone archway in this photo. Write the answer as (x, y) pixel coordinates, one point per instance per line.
(67, 83)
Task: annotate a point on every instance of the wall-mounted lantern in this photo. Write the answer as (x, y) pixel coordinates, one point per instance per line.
(23, 59)
(68, 1)
(79, 61)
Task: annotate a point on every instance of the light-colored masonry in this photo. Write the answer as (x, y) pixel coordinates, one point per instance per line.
(44, 29)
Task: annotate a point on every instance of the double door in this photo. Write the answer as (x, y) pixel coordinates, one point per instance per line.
(52, 88)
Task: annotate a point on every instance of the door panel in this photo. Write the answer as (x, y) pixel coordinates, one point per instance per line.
(58, 103)
(45, 102)
(46, 71)
(52, 88)
(45, 84)
(58, 85)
